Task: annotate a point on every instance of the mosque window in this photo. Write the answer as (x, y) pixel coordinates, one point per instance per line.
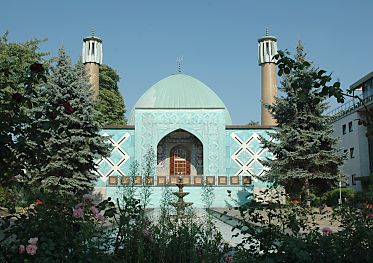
(93, 49)
(350, 126)
(344, 129)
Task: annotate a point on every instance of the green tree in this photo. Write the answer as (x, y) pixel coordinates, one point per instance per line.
(252, 122)
(66, 117)
(21, 72)
(110, 103)
(304, 150)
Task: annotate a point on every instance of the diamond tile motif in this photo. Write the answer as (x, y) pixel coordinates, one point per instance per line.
(117, 158)
(255, 146)
(256, 168)
(247, 156)
(244, 156)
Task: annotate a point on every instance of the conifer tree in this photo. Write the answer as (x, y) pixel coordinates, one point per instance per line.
(110, 103)
(304, 150)
(66, 165)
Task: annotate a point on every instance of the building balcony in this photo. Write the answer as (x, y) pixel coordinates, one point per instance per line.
(351, 106)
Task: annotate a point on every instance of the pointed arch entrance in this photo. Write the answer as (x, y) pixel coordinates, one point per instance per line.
(179, 153)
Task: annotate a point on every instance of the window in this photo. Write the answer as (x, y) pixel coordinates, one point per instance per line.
(345, 153)
(350, 126)
(352, 153)
(353, 179)
(344, 129)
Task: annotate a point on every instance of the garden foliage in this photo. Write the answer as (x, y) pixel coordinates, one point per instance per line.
(110, 103)
(303, 147)
(294, 232)
(65, 116)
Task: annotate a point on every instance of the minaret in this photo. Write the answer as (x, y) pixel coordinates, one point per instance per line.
(267, 48)
(92, 58)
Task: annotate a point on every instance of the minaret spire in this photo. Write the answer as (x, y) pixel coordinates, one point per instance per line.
(92, 58)
(179, 61)
(267, 48)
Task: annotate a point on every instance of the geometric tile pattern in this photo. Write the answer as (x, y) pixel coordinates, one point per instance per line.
(248, 156)
(118, 157)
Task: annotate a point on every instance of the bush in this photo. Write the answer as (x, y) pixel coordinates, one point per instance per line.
(292, 233)
(4, 196)
(52, 230)
(331, 197)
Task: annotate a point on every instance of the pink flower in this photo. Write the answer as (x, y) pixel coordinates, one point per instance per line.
(78, 213)
(33, 241)
(370, 216)
(94, 210)
(99, 216)
(31, 249)
(21, 249)
(326, 231)
(228, 259)
(80, 205)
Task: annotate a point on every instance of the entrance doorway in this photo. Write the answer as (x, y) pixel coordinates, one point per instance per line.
(179, 153)
(179, 161)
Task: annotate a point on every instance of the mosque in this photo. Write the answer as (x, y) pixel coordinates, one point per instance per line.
(188, 131)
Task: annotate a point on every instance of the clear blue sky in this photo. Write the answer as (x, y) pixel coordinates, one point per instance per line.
(217, 38)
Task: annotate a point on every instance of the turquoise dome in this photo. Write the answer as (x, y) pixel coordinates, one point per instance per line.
(179, 91)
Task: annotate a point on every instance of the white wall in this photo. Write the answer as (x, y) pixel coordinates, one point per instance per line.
(359, 165)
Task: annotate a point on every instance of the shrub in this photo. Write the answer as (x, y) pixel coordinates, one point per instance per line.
(4, 196)
(331, 197)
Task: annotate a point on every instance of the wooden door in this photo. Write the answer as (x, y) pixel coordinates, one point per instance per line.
(179, 161)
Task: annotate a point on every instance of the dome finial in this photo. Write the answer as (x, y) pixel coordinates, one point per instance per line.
(93, 31)
(267, 31)
(179, 61)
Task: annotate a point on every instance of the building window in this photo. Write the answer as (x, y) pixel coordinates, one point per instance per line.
(345, 153)
(350, 126)
(352, 152)
(344, 129)
(353, 179)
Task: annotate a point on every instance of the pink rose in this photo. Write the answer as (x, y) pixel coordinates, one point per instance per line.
(33, 241)
(228, 259)
(21, 249)
(326, 231)
(99, 216)
(31, 249)
(78, 213)
(94, 210)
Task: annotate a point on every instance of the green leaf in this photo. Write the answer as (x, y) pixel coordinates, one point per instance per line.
(321, 72)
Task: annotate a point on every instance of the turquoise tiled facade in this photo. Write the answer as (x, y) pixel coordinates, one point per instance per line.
(230, 155)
